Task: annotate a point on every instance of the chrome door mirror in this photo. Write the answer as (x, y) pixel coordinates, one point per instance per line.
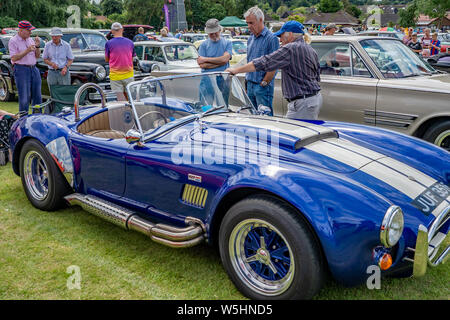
(264, 110)
(133, 136)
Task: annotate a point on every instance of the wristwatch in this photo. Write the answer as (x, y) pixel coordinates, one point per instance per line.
(263, 83)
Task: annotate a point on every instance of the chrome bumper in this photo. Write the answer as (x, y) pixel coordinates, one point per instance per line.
(428, 244)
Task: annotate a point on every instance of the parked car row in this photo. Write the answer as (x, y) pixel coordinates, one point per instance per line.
(89, 65)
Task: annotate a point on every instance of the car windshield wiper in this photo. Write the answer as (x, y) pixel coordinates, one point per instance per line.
(413, 75)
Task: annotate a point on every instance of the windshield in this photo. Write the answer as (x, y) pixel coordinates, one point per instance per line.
(85, 41)
(180, 52)
(167, 101)
(239, 47)
(199, 37)
(395, 60)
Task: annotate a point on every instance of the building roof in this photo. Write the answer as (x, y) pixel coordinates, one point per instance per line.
(339, 18)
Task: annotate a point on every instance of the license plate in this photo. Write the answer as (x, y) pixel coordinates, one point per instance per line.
(431, 198)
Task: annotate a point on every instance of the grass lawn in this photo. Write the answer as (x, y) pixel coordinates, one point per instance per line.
(37, 247)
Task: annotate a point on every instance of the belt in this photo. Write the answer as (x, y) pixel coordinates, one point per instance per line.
(302, 96)
(25, 65)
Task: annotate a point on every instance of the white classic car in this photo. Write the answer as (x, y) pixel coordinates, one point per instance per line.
(167, 55)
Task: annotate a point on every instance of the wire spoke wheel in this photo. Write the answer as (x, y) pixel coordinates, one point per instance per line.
(36, 175)
(262, 257)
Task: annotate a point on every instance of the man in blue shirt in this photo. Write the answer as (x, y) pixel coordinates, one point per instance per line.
(260, 84)
(58, 56)
(214, 55)
(140, 36)
(215, 52)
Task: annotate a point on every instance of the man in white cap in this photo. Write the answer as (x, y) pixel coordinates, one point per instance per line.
(215, 52)
(119, 52)
(58, 56)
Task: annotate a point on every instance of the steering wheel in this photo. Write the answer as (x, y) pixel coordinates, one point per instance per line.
(153, 112)
(389, 65)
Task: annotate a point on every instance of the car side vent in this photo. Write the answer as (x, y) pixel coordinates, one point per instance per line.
(194, 196)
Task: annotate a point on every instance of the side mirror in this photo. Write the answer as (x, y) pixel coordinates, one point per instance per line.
(264, 110)
(133, 136)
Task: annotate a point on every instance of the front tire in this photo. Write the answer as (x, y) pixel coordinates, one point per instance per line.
(42, 181)
(269, 252)
(439, 134)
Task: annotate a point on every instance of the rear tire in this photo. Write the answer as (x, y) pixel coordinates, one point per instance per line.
(439, 134)
(42, 180)
(269, 252)
(5, 95)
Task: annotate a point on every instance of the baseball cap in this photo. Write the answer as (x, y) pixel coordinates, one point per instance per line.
(24, 24)
(56, 32)
(116, 26)
(290, 26)
(212, 26)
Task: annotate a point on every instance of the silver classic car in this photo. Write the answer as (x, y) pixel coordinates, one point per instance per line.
(167, 55)
(378, 81)
(381, 82)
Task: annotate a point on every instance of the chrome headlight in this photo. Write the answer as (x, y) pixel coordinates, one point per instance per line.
(392, 227)
(100, 73)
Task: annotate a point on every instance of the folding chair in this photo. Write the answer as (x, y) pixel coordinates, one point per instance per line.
(61, 96)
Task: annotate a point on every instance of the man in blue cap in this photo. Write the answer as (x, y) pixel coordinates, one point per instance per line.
(300, 72)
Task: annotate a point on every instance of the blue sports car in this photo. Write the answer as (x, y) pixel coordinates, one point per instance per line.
(189, 159)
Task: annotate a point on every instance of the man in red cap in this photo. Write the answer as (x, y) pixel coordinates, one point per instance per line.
(24, 51)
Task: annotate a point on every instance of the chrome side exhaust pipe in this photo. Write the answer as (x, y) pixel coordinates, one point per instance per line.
(164, 234)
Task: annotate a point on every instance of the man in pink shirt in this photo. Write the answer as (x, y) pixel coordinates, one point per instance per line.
(24, 51)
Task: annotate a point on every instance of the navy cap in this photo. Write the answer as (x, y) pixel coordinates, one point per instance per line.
(290, 26)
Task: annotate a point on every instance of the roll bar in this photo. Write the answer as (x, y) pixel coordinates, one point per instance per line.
(78, 95)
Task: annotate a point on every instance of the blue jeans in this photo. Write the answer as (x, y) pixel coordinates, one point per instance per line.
(28, 83)
(260, 95)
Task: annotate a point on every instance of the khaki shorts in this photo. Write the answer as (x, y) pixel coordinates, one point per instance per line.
(119, 86)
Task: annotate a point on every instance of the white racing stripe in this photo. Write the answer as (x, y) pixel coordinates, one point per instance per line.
(400, 176)
(298, 129)
(409, 171)
(348, 157)
(395, 179)
(386, 169)
(356, 148)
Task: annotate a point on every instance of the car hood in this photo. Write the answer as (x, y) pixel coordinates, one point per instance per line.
(191, 63)
(304, 144)
(90, 57)
(435, 83)
(287, 140)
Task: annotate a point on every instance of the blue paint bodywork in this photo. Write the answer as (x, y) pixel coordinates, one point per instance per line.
(343, 206)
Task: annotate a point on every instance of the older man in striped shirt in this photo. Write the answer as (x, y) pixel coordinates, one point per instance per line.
(300, 77)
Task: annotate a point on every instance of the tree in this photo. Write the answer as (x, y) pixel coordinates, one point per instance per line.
(111, 6)
(281, 10)
(330, 5)
(297, 18)
(408, 16)
(433, 8)
(8, 22)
